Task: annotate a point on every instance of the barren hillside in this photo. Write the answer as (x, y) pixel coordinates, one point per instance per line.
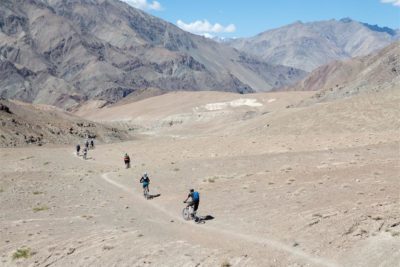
(375, 72)
(26, 124)
(302, 186)
(309, 45)
(66, 52)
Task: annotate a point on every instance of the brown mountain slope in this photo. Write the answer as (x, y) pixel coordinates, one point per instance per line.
(375, 72)
(24, 124)
(65, 52)
(309, 45)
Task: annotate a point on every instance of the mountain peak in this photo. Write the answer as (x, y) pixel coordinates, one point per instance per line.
(346, 20)
(298, 22)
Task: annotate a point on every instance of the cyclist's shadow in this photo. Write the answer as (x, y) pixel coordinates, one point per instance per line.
(153, 196)
(203, 219)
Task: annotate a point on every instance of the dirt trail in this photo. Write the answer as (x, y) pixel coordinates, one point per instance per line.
(223, 233)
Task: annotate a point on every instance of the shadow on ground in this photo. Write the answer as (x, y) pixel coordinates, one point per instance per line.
(153, 196)
(203, 219)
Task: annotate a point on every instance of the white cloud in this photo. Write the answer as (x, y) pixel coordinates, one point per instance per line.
(204, 27)
(393, 2)
(144, 5)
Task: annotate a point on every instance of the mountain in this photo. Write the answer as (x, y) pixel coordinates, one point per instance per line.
(65, 52)
(376, 72)
(309, 45)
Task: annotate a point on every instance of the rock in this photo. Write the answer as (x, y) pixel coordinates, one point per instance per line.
(5, 108)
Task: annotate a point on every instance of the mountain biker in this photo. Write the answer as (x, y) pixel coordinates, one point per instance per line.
(78, 148)
(92, 143)
(145, 180)
(85, 150)
(195, 196)
(87, 144)
(127, 160)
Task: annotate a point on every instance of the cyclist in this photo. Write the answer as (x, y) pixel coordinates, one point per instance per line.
(85, 150)
(145, 180)
(92, 143)
(78, 148)
(127, 161)
(195, 196)
(87, 144)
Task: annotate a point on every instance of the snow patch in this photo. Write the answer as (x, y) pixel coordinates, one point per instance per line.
(251, 102)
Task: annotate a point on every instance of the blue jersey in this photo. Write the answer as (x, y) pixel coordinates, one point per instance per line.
(196, 196)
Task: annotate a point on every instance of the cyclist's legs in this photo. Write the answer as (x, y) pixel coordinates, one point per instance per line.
(146, 188)
(192, 207)
(196, 206)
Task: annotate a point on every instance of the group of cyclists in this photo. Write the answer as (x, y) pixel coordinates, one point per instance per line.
(194, 196)
(88, 144)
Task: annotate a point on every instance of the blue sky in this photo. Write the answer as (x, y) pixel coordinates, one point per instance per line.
(236, 18)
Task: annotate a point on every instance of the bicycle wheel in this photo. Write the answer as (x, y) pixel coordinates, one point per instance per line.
(146, 193)
(186, 214)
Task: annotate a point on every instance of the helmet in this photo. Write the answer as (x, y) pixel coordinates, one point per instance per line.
(191, 190)
(145, 174)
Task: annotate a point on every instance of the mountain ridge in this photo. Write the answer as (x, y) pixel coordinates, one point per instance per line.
(66, 52)
(375, 72)
(310, 45)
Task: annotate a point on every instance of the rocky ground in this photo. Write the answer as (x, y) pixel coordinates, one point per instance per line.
(25, 124)
(307, 186)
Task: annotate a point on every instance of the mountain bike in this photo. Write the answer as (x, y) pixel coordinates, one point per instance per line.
(146, 192)
(188, 213)
(127, 164)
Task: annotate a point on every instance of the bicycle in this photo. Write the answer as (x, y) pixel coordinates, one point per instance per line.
(146, 192)
(188, 213)
(127, 164)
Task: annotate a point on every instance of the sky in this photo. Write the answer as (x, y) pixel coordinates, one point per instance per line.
(238, 18)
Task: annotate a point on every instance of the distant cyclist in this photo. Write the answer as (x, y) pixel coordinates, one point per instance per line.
(87, 144)
(195, 200)
(78, 148)
(91, 143)
(127, 161)
(145, 181)
(85, 151)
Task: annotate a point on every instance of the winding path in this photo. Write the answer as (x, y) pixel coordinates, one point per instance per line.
(244, 237)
